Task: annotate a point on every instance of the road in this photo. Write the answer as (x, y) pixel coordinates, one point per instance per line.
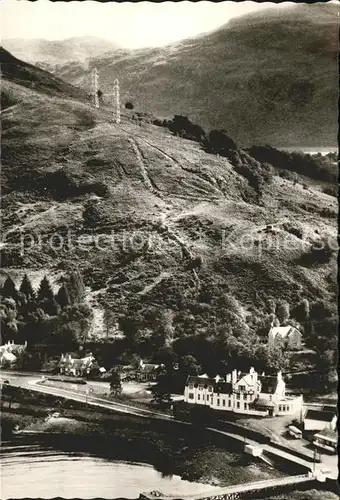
(31, 381)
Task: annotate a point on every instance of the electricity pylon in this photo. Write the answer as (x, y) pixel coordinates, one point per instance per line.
(116, 101)
(95, 88)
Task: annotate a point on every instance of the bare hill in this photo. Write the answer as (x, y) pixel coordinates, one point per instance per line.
(270, 77)
(153, 221)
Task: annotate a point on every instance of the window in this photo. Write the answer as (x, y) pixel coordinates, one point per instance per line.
(191, 386)
(210, 389)
(237, 405)
(242, 388)
(203, 397)
(245, 406)
(218, 402)
(280, 408)
(207, 397)
(223, 402)
(200, 387)
(229, 402)
(191, 395)
(245, 396)
(270, 397)
(237, 396)
(198, 397)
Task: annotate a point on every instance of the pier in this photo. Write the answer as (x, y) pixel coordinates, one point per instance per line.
(237, 491)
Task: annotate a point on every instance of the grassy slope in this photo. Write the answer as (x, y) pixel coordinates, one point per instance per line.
(265, 78)
(140, 181)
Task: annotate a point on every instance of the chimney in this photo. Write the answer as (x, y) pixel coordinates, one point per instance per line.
(279, 376)
(228, 377)
(251, 371)
(234, 377)
(217, 378)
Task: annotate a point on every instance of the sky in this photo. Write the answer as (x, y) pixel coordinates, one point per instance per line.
(131, 25)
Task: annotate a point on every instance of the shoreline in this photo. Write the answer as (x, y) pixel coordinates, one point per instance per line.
(189, 457)
(100, 435)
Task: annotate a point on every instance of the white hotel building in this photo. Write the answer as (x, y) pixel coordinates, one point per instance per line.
(246, 393)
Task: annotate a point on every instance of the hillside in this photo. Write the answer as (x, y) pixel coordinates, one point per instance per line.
(270, 77)
(48, 54)
(95, 177)
(163, 232)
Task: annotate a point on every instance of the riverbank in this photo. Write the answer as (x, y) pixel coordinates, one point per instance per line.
(192, 456)
(173, 451)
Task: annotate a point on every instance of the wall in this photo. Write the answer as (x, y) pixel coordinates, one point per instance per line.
(295, 406)
(317, 425)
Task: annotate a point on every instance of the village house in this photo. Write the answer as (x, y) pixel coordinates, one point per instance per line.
(286, 337)
(247, 393)
(318, 420)
(148, 372)
(75, 366)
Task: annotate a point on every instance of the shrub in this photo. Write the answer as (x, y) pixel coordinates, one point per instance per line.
(315, 167)
(331, 190)
(220, 143)
(129, 105)
(158, 122)
(183, 127)
(317, 255)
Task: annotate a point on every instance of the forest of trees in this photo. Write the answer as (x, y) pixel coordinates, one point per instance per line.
(214, 337)
(211, 335)
(43, 317)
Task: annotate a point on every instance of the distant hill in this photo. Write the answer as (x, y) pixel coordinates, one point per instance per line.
(269, 77)
(18, 72)
(48, 53)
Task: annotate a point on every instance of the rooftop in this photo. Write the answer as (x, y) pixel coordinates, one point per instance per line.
(283, 331)
(268, 384)
(196, 379)
(322, 416)
(148, 367)
(224, 388)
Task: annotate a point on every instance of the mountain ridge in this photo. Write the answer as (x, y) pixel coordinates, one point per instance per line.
(49, 53)
(265, 79)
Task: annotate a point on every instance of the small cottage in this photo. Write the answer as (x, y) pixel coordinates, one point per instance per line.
(286, 337)
(10, 352)
(148, 372)
(318, 420)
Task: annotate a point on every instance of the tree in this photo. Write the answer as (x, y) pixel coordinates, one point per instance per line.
(45, 291)
(271, 306)
(161, 391)
(219, 142)
(9, 290)
(115, 383)
(63, 297)
(75, 286)
(129, 105)
(189, 365)
(283, 312)
(302, 311)
(27, 289)
(45, 298)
